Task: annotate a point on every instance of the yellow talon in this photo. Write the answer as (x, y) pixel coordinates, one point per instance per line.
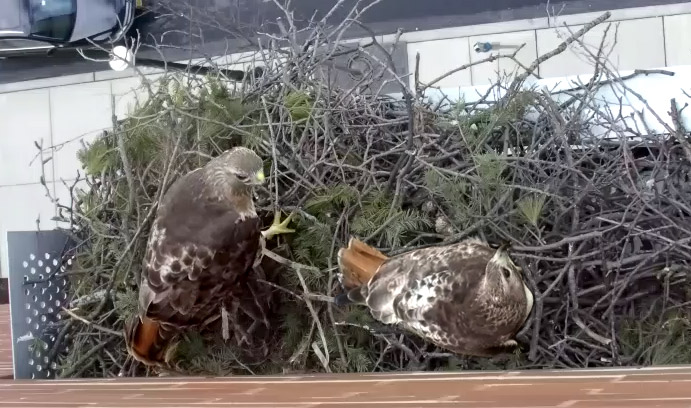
(278, 227)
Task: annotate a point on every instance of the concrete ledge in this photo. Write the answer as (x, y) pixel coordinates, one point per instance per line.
(47, 82)
(128, 73)
(541, 23)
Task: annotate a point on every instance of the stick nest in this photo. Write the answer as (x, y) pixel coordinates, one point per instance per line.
(601, 225)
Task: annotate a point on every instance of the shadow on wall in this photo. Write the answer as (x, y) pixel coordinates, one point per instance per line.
(4, 291)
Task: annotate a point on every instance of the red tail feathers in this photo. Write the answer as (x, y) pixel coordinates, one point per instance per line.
(358, 263)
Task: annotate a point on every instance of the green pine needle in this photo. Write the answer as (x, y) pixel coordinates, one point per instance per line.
(530, 208)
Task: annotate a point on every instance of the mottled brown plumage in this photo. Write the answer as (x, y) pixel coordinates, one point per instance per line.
(467, 297)
(203, 244)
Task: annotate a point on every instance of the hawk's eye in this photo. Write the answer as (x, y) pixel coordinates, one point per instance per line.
(243, 178)
(507, 273)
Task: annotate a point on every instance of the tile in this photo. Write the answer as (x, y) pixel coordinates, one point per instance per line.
(78, 114)
(24, 119)
(438, 58)
(624, 44)
(20, 207)
(126, 95)
(489, 72)
(473, 28)
(678, 39)
(130, 92)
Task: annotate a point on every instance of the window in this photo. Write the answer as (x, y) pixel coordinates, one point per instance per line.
(53, 19)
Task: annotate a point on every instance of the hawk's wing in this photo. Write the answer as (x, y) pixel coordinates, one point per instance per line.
(409, 288)
(183, 279)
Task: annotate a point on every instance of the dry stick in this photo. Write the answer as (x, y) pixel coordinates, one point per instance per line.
(463, 67)
(63, 332)
(81, 363)
(323, 357)
(405, 161)
(94, 325)
(561, 133)
(679, 131)
(131, 199)
(396, 343)
(313, 296)
(518, 81)
(329, 306)
(574, 316)
(561, 242)
(302, 348)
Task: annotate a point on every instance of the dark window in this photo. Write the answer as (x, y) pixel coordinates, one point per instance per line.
(53, 19)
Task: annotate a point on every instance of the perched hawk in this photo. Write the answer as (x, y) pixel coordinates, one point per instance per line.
(467, 297)
(204, 242)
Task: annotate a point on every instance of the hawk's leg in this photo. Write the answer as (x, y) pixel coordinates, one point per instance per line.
(260, 253)
(241, 336)
(278, 226)
(255, 311)
(509, 346)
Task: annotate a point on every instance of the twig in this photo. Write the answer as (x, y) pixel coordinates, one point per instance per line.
(324, 357)
(91, 324)
(520, 79)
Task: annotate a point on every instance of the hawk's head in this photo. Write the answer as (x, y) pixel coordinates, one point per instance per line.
(237, 169)
(503, 274)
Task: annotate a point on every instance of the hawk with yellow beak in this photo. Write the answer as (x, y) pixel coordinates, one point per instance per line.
(204, 242)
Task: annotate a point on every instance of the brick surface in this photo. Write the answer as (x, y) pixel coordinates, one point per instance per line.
(5, 342)
(645, 387)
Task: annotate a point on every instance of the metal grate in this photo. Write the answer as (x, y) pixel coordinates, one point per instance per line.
(38, 291)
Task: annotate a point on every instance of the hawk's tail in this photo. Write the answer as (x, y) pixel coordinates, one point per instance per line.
(147, 341)
(358, 263)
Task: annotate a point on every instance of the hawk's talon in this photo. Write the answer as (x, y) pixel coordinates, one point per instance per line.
(278, 226)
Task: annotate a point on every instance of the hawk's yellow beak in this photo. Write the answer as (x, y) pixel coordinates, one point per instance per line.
(260, 176)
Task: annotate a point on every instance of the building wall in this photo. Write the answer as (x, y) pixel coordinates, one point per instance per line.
(61, 116)
(65, 111)
(639, 38)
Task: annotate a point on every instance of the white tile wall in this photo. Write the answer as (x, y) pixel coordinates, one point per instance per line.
(630, 44)
(678, 39)
(24, 118)
(486, 73)
(78, 112)
(128, 92)
(20, 207)
(438, 58)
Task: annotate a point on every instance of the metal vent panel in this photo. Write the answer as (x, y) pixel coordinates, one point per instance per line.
(38, 291)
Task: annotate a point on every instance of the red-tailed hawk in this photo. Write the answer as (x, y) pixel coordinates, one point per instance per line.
(467, 297)
(203, 244)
